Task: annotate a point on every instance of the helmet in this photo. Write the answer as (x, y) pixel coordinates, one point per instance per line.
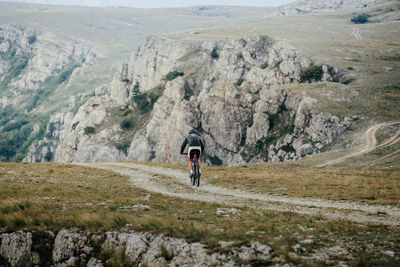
(193, 131)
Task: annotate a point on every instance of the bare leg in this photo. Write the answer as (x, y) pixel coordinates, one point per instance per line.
(198, 163)
(190, 165)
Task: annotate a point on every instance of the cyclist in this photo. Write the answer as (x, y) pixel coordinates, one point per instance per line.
(196, 147)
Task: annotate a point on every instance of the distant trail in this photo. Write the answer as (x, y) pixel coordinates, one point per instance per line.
(356, 33)
(175, 183)
(370, 145)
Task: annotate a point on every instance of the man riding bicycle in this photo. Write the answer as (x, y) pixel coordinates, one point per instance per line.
(196, 147)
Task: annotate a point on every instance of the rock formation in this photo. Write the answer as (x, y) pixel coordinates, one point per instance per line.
(232, 92)
(71, 247)
(30, 58)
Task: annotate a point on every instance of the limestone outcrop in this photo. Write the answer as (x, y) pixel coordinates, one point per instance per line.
(30, 58)
(233, 92)
(71, 247)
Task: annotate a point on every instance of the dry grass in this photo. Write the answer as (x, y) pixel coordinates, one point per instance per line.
(372, 187)
(54, 196)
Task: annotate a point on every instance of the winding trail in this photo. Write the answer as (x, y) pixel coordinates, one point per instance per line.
(370, 144)
(175, 183)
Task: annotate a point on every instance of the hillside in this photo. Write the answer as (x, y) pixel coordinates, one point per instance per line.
(298, 105)
(262, 78)
(39, 43)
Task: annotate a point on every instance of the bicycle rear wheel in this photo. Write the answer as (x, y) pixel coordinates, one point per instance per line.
(197, 178)
(193, 177)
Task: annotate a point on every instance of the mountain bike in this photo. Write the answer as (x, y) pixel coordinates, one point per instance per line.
(195, 177)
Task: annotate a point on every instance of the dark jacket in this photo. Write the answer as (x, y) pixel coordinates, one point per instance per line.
(193, 140)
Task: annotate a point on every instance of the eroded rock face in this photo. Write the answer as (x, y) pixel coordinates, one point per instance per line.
(16, 248)
(233, 92)
(29, 58)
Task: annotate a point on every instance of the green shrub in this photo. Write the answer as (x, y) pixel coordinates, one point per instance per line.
(123, 147)
(125, 112)
(126, 124)
(173, 75)
(32, 39)
(313, 73)
(146, 101)
(360, 19)
(48, 156)
(136, 91)
(214, 53)
(349, 81)
(264, 66)
(239, 82)
(264, 38)
(90, 130)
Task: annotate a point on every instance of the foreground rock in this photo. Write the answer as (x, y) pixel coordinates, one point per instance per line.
(74, 248)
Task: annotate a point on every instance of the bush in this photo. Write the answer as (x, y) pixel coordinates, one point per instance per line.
(214, 53)
(239, 82)
(123, 147)
(126, 124)
(313, 73)
(264, 66)
(349, 81)
(48, 156)
(173, 75)
(32, 39)
(360, 19)
(90, 130)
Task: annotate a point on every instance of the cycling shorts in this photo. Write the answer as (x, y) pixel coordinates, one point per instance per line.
(194, 150)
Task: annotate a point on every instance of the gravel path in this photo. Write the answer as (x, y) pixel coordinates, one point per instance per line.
(175, 183)
(370, 145)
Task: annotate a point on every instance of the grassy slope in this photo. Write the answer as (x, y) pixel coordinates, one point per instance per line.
(52, 196)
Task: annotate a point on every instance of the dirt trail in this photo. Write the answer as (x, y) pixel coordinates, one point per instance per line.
(370, 145)
(175, 183)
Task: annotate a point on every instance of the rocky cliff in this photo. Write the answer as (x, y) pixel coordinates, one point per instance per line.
(232, 92)
(30, 58)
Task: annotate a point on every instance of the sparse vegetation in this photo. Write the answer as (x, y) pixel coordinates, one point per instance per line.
(18, 64)
(360, 19)
(348, 81)
(66, 72)
(89, 130)
(264, 66)
(311, 74)
(126, 124)
(93, 200)
(123, 147)
(173, 75)
(239, 82)
(145, 101)
(32, 39)
(214, 53)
